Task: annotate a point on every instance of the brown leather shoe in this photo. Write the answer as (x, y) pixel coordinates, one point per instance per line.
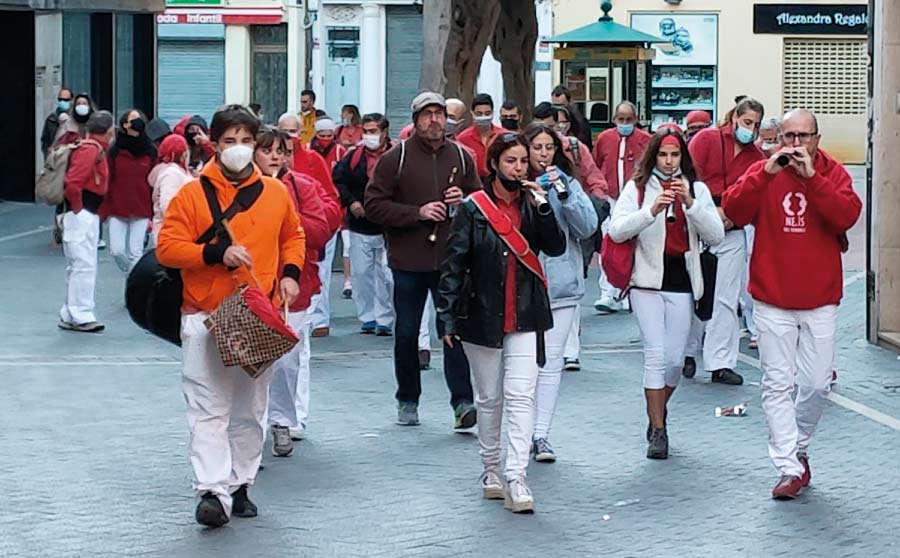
(788, 488)
(320, 332)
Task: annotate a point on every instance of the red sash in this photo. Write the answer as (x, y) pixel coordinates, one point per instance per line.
(510, 235)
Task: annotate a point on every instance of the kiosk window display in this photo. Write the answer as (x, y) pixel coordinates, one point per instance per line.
(683, 75)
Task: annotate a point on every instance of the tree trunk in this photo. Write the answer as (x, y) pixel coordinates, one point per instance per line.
(457, 34)
(436, 30)
(513, 46)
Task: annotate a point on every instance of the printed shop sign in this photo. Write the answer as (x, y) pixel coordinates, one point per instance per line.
(227, 16)
(811, 19)
(694, 38)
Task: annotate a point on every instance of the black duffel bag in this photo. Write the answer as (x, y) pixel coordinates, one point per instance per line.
(153, 296)
(154, 293)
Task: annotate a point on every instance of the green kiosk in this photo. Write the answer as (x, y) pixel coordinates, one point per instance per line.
(603, 64)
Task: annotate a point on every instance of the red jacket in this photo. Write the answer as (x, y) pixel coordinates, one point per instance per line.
(706, 150)
(606, 155)
(800, 223)
(130, 193)
(587, 172)
(334, 153)
(472, 139)
(88, 171)
(320, 217)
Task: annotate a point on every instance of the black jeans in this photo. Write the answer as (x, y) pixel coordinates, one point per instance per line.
(410, 293)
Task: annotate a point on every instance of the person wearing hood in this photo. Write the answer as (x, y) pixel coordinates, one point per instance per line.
(324, 142)
(695, 121)
(721, 155)
(196, 132)
(157, 130)
(73, 124)
(52, 123)
(128, 205)
(617, 152)
(479, 136)
(167, 177)
(226, 407)
(802, 206)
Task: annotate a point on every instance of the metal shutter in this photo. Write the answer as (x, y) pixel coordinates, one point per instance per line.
(404, 61)
(191, 78)
(825, 76)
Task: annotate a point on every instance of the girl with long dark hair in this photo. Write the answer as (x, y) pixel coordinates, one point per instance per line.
(669, 212)
(493, 298)
(576, 217)
(128, 205)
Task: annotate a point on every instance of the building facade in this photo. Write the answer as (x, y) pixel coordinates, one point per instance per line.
(788, 55)
(101, 47)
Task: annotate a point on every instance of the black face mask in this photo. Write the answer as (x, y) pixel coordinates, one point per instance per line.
(509, 184)
(509, 123)
(138, 125)
(191, 137)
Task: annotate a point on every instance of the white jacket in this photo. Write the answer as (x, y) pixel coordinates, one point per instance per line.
(166, 179)
(629, 221)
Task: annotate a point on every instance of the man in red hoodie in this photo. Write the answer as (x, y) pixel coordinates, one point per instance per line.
(86, 182)
(802, 203)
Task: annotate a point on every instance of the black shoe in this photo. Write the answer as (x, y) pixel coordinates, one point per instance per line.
(210, 511)
(466, 416)
(659, 444)
(727, 376)
(241, 506)
(690, 367)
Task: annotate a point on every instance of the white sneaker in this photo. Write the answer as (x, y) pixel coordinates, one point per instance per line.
(518, 498)
(491, 485)
(298, 433)
(606, 305)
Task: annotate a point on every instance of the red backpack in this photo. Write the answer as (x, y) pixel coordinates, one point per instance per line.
(617, 258)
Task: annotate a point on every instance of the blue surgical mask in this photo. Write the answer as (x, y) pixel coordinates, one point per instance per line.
(665, 177)
(63, 105)
(625, 130)
(743, 135)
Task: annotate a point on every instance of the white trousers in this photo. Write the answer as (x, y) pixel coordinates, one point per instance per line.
(289, 389)
(126, 240)
(504, 381)
(225, 411)
(373, 282)
(573, 341)
(80, 236)
(425, 326)
(345, 243)
(607, 291)
(746, 299)
(723, 330)
(665, 322)
(795, 347)
(551, 373)
(320, 305)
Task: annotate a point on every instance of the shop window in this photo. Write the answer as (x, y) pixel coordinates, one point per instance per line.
(825, 76)
(269, 70)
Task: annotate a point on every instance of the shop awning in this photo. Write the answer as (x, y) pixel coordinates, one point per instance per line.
(145, 6)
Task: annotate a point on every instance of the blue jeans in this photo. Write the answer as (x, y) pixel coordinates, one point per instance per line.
(410, 293)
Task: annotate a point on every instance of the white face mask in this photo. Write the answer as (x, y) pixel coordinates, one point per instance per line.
(767, 145)
(82, 110)
(372, 141)
(237, 157)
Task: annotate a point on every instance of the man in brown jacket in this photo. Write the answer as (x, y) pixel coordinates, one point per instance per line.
(415, 187)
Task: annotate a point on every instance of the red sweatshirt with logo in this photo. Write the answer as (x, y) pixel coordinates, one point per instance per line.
(796, 263)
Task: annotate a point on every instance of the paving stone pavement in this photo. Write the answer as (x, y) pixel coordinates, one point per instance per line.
(93, 441)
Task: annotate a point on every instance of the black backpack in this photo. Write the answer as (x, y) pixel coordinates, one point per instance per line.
(154, 293)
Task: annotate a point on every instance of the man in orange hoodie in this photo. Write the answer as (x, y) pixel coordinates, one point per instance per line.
(226, 407)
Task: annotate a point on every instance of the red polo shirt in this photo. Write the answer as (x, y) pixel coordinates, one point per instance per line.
(472, 139)
(511, 210)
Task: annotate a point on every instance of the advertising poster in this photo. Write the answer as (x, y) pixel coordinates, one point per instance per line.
(694, 37)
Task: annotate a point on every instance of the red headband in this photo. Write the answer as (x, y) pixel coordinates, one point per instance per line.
(670, 139)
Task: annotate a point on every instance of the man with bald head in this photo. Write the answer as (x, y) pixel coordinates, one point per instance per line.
(617, 151)
(802, 203)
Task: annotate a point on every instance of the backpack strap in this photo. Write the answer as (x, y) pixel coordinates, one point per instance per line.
(402, 157)
(462, 157)
(244, 199)
(509, 234)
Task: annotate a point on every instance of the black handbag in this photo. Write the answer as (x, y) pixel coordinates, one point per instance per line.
(703, 308)
(154, 293)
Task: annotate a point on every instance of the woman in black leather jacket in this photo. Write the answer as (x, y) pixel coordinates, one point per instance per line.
(501, 322)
